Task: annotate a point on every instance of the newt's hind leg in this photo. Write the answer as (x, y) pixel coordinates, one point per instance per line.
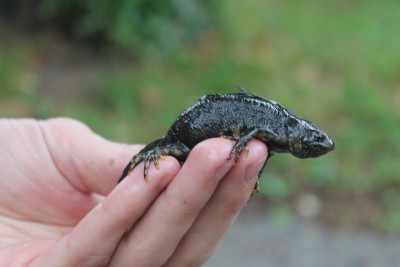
(152, 153)
(256, 188)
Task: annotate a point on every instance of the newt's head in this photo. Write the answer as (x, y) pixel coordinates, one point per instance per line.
(305, 139)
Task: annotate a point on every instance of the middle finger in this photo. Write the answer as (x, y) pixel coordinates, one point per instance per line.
(153, 240)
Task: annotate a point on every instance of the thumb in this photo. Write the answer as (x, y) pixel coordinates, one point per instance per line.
(88, 161)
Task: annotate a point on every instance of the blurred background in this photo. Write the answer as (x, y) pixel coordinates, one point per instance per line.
(128, 68)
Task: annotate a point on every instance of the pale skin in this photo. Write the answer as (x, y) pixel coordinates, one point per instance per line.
(60, 204)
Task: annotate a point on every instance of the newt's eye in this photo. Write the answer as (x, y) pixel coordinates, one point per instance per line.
(319, 138)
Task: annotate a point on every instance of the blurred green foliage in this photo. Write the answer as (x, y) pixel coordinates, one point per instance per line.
(337, 63)
(155, 28)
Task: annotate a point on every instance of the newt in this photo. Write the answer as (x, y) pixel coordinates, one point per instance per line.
(239, 117)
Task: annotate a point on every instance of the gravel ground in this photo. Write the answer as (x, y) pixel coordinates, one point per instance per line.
(254, 241)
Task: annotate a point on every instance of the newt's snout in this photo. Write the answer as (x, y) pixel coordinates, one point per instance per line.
(312, 147)
(308, 141)
(329, 145)
(324, 146)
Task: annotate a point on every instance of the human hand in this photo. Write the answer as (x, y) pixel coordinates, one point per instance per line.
(60, 206)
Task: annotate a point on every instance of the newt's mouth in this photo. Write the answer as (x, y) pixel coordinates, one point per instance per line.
(324, 147)
(330, 144)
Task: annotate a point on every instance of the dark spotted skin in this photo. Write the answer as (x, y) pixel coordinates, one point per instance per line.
(239, 117)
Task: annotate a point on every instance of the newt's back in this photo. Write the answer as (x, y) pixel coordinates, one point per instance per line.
(226, 115)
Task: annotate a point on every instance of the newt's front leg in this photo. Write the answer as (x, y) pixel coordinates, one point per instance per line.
(241, 140)
(240, 143)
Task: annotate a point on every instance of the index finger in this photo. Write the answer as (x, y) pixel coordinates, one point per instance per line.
(89, 162)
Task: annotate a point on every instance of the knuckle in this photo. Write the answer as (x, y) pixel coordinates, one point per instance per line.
(198, 259)
(234, 206)
(185, 207)
(190, 208)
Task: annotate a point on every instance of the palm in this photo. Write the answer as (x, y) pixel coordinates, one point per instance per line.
(42, 193)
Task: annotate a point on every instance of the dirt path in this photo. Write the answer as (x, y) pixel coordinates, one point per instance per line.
(255, 241)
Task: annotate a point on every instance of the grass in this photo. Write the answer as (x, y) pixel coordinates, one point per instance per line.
(336, 63)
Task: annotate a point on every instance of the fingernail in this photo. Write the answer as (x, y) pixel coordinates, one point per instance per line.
(252, 171)
(221, 171)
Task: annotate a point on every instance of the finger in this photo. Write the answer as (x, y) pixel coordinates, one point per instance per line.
(155, 237)
(89, 162)
(93, 241)
(232, 194)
